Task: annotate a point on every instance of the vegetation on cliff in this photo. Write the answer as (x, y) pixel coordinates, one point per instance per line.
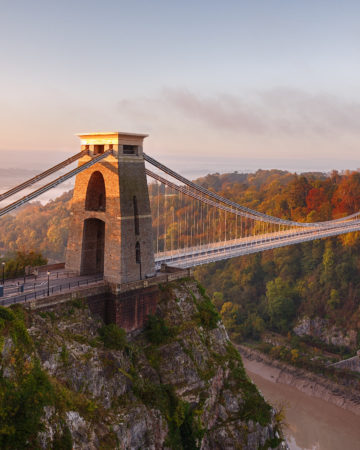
(67, 380)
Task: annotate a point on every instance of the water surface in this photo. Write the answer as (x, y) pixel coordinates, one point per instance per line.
(312, 423)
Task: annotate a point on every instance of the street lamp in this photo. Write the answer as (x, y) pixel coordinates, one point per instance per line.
(3, 273)
(48, 274)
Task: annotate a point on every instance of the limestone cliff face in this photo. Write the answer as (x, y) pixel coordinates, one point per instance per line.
(322, 330)
(68, 381)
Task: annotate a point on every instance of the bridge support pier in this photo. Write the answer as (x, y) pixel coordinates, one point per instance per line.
(128, 310)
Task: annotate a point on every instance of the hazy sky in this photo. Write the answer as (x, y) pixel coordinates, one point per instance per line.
(261, 83)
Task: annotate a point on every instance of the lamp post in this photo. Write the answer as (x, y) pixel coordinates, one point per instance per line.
(48, 274)
(3, 273)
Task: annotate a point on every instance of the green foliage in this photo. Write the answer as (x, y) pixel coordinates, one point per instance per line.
(37, 227)
(18, 331)
(48, 314)
(24, 395)
(327, 275)
(6, 314)
(79, 303)
(15, 265)
(218, 300)
(184, 425)
(191, 431)
(21, 408)
(281, 300)
(254, 406)
(207, 314)
(156, 330)
(334, 300)
(201, 290)
(113, 337)
(271, 443)
(267, 291)
(64, 355)
(63, 441)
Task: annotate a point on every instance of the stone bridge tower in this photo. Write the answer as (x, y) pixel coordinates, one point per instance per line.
(110, 228)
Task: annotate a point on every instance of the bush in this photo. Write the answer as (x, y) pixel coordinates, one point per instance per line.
(208, 315)
(156, 330)
(21, 408)
(79, 303)
(6, 314)
(184, 426)
(113, 337)
(63, 441)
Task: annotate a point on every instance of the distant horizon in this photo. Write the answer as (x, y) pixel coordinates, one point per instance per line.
(214, 165)
(42, 160)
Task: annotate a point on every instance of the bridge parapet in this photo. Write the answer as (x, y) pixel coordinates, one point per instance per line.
(171, 274)
(127, 305)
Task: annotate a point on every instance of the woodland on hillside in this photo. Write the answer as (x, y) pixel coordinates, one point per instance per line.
(264, 291)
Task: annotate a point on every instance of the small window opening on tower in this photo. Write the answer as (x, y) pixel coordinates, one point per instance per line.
(136, 216)
(130, 149)
(137, 253)
(98, 149)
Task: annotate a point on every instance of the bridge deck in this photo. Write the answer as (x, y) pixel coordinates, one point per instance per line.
(218, 251)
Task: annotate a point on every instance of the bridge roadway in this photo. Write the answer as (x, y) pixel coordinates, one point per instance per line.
(60, 281)
(204, 254)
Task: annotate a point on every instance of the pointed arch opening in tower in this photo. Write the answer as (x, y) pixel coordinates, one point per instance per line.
(96, 194)
(93, 247)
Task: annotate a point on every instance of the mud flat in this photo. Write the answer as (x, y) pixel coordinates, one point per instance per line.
(320, 415)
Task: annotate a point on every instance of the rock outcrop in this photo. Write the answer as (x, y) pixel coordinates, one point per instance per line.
(69, 381)
(320, 328)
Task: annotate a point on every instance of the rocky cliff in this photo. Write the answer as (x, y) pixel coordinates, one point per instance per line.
(330, 334)
(69, 381)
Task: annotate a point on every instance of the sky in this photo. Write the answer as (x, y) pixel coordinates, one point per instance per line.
(218, 86)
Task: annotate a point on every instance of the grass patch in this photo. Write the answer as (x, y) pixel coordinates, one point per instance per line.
(79, 303)
(48, 315)
(64, 355)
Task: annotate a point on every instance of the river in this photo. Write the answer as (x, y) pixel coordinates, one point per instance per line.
(312, 423)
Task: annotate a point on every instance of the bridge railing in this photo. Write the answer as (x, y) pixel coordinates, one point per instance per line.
(59, 288)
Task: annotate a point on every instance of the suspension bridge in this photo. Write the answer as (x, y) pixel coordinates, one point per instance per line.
(132, 214)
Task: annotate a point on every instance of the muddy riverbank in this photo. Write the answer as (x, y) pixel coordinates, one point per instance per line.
(318, 417)
(309, 383)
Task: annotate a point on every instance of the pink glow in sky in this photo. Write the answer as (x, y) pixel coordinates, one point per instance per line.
(258, 83)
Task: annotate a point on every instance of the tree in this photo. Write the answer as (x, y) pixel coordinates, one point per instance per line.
(334, 299)
(328, 263)
(228, 314)
(281, 299)
(298, 191)
(346, 198)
